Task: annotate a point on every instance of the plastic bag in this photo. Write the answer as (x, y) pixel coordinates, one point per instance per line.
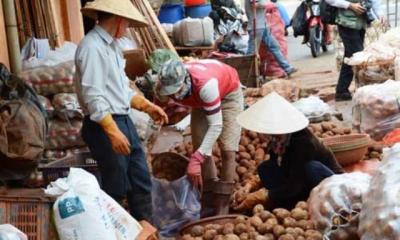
(79, 213)
(175, 204)
(313, 107)
(67, 106)
(379, 218)
(141, 121)
(9, 232)
(376, 110)
(299, 20)
(64, 134)
(51, 80)
(334, 205)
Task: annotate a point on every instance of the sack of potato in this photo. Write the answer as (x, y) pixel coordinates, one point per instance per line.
(371, 74)
(376, 108)
(335, 204)
(380, 217)
(51, 80)
(64, 134)
(67, 106)
(46, 103)
(280, 224)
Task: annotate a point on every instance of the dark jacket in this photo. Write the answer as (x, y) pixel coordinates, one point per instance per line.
(303, 148)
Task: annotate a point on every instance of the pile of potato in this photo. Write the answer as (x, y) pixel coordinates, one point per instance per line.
(285, 88)
(251, 153)
(280, 224)
(328, 129)
(374, 152)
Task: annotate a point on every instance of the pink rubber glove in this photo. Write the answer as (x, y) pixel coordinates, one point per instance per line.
(194, 169)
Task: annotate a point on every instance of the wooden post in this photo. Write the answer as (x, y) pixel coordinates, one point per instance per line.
(3, 40)
(12, 36)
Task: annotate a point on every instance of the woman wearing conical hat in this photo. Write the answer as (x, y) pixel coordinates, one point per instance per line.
(298, 160)
(105, 97)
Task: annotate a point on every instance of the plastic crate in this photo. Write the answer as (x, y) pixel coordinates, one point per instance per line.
(29, 210)
(60, 168)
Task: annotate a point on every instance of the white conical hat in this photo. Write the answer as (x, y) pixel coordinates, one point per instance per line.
(273, 115)
(122, 8)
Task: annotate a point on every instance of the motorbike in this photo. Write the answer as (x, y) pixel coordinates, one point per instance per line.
(317, 30)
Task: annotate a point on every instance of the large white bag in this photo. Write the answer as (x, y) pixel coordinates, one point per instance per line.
(79, 212)
(83, 211)
(193, 32)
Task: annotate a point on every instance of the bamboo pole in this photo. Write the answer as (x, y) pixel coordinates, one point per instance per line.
(12, 36)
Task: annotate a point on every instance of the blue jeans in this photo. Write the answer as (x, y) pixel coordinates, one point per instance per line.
(272, 45)
(286, 191)
(121, 176)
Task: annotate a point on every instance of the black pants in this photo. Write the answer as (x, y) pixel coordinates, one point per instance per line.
(121, 176)
(274, 179)
(353, 41)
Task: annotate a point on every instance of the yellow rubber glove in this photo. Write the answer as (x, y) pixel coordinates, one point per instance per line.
(119, 142)
(156, 113)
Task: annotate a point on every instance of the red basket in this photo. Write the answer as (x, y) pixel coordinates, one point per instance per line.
(29, 210)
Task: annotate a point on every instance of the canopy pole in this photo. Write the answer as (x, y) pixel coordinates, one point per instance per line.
(12, 36)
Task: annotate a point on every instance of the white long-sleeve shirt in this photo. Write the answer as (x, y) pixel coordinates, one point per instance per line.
(376, 5)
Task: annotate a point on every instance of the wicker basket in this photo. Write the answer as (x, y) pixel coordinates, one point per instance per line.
(223, 219)
(348, 149)
(29, 210)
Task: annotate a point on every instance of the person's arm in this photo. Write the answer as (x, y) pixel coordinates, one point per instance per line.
(328, 159)
(355, 7)
(261, 4)
(89, 61)
(210, 95)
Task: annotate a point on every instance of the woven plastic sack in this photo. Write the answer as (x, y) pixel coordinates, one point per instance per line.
(376, 110)
(51, 80)
(193, 32)
(64, 134)
(380, 215)
(175, 204)
(67, 106)
(334, 205)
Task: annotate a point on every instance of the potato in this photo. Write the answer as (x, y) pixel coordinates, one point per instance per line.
(281, 213)
(219, 237)
(244, 141)
(251, 134)
(289, 222)
(286, 237)
(338, 131)
(313, 235)
(255, 221)
(244, 236)
(278, 230)
(231, 237)
(251, 148)
(273, 221)
(241, 170)
(305, 224)
(197, 231)
(269, 236)
(242, 148)
(303, 205)
(240, 228)
(299, 231)
(253, 235)
(326, 126)
(210, 234)
(299, 214)
(265, 215)
(300, 238)
(265, 228)
(346, 130)
(260, 154)
(239, 219)
(258, 209)
(187, 237)
(245, 163)
(261, 237)
(244, 155)
(291, 231)
(228, 228)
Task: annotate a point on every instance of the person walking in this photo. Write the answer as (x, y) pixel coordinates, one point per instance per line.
(352, 20)
(263, 33)
(106, 99)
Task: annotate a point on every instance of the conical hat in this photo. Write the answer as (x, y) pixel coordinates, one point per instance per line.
(273, 115)
(122, 8)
